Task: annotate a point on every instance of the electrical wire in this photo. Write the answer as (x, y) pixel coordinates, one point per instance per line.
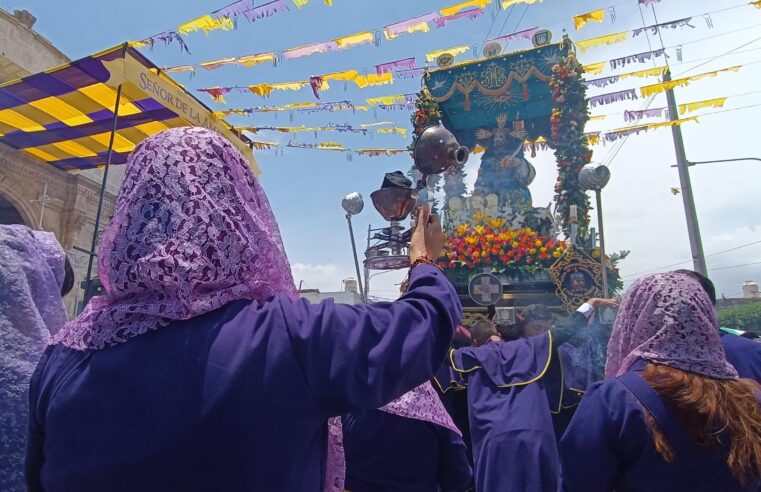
(735, 266)
(688, 261)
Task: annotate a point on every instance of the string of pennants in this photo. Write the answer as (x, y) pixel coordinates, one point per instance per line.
(407, 68)
(593, 138)
(226, 19)
(406, 102)
(416, 25)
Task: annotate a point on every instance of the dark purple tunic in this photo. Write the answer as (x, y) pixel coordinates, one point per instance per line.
(386, 452)
(514, 445)
(608, 448)
(744, 354)
(236, 399)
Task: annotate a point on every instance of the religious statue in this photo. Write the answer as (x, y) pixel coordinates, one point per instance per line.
(504, 171)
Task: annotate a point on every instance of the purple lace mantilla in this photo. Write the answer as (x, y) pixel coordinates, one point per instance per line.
(191, 232)
(668, 319)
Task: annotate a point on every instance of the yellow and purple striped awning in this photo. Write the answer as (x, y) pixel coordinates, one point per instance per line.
(64, 116)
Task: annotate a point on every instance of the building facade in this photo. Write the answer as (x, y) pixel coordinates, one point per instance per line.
(36, 194)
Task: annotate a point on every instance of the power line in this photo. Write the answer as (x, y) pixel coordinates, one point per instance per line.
(721, 55)
(735, 266)
(688, 261)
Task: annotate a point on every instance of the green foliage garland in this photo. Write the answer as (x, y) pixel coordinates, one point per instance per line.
(569, 117)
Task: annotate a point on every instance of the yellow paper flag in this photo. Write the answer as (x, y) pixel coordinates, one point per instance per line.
(673, 123)
(387, 100)
(580, 21)
(251, 60)
(708, 103)
(211, 65)
(596, 68)
(372, 79)
(301, 3)
(756, 4)
(508, 3)
(593, 138)
(264, 90)
(479, 4)
(330, 146)
(355, 39)
(457, 50)
(346, 76)
(650, 90)
(206, 23)
(618, 37)
(400, 131)
(181, 68)
(650, 72)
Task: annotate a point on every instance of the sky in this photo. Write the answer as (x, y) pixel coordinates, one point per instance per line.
(305, 187)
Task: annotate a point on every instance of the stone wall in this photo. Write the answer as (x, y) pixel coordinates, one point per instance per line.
(69, 212)
(72, 199)
(25, 49)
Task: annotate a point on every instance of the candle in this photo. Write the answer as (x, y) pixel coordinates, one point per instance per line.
(573, 215)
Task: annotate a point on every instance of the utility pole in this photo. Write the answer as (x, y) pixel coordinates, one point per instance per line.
(693, 228)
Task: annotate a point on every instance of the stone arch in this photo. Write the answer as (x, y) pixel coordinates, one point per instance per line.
(14, 210)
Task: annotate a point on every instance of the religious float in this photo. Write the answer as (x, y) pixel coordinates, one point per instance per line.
(502, 251)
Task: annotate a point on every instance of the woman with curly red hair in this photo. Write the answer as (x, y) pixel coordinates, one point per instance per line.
(673, 414)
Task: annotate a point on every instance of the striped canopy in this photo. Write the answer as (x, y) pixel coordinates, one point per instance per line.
(64, 116)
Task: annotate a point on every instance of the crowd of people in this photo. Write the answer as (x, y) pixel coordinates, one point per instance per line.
(200, 369)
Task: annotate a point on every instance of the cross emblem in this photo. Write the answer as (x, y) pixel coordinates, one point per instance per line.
(485, 289)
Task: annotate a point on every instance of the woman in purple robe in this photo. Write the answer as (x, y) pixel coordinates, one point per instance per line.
(673, 415)
(199, 369)
(33, 278)
(408, 445)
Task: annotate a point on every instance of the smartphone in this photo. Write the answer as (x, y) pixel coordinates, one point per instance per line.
(606, 315)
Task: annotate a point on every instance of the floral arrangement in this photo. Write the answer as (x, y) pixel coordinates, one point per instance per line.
(426, 114)
(490, 243)
(569, 117)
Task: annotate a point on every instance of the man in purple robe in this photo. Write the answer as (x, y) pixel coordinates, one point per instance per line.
(199, 370)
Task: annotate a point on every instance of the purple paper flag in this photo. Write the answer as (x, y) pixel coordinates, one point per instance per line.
(635, 115)
(266, 10)
(234, 9)
(310, 49)
(613, 136)
(638, 58)
(394, 65)
(603, 82)
(409, 74)
(393, 30)
(613, 97)
(671, 25)
(470, 14)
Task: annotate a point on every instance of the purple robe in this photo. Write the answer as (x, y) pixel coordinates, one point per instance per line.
(744, 354)
(387, 452)
(234, 399)
(608, 447)
(511, 424)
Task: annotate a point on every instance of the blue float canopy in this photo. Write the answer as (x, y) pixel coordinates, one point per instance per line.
(473, 95)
